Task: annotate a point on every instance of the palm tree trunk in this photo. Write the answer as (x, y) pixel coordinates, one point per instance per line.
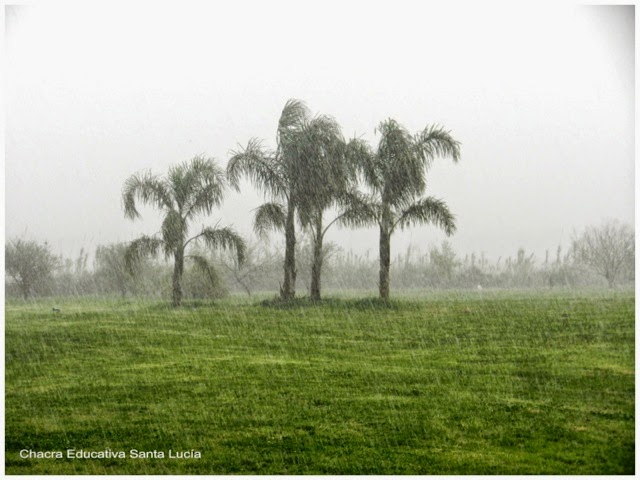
(316, 267)
(178, 268)
(385, 263)
(288, 289)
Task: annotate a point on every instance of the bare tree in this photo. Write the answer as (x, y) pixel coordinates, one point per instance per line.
(258, 261)
(608, 249)
(110, 270)
(444, 262)
(29, 264)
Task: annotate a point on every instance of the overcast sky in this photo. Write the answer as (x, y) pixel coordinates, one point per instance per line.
(542, 99)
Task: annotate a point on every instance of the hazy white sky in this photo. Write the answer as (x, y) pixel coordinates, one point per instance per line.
(542, 99)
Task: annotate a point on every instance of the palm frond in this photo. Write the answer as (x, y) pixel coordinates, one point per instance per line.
(325, 129)
(320, 144)
(225, 238)
(294, 114)
(147, 188)
(361, 158)
(359, 210)
(139, 249)
(394, 138)
(269, 216)
(358, 152)
(398, 169)
(428, 210)
(434, 141)
(203, 265)
(308, 214)
(320, 168)
(260, 166)
(202, 186)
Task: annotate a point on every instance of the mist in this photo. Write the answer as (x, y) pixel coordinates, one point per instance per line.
(546, 121)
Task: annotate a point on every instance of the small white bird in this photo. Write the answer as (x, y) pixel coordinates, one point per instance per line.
(479, 288)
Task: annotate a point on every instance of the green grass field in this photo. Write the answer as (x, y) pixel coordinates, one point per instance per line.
(450, 383)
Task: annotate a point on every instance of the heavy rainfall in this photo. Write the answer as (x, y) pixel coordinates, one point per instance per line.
(284, 239)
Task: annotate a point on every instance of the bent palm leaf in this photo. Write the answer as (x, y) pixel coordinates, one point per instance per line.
(427, 210)
(294, 114)
(361, 210)
(148, 189)
(225, 238)
(203, 264)
(269, 216)
(200, 185)
(433, 142)
(259, 166)
(139, 249)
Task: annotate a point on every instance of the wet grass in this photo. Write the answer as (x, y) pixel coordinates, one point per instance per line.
(491, 383)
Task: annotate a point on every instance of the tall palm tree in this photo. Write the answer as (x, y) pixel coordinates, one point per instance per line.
(395, 176)
(191, 188)
(329, 174)
(279, 174)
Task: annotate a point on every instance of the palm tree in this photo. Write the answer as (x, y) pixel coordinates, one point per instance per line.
(191, 188)
(395, 175)
(280, 175)
(305, 176)
(329, 174)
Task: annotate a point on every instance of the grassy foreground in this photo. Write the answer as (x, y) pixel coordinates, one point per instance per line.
(482, 384)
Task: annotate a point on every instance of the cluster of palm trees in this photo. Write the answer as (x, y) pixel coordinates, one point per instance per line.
(312, 170)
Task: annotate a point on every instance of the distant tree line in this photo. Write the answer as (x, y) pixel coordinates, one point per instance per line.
(599, 256)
